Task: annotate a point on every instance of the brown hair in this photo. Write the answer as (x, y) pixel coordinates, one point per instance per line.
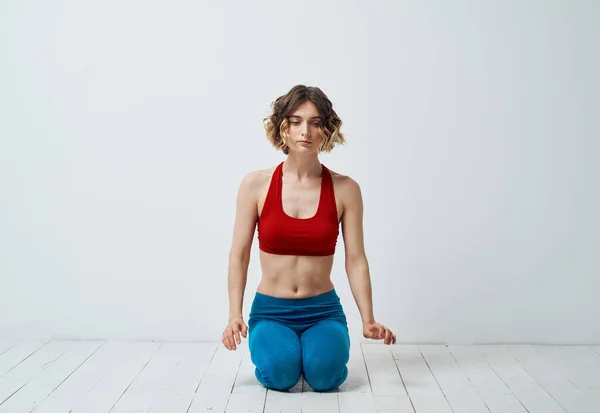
(277, 123)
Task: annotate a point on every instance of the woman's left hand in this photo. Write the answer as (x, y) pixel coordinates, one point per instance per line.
(378, 331)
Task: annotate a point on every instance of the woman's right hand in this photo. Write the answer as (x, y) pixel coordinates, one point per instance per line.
(231, 334)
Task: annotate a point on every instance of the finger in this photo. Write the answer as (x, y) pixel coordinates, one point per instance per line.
(388, 336)
(394, 339)
(229, 340)
(225, 342)
(236, 335)
(245, 331)
(381, 332)
(223, 339)
(232, 341)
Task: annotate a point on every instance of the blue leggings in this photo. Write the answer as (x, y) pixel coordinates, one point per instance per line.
(289, 337)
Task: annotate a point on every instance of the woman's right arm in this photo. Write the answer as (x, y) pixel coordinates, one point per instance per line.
(243, 233)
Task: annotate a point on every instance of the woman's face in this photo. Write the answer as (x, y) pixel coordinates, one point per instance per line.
(305, 133)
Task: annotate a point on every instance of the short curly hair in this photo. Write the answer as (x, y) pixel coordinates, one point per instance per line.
(277, 123)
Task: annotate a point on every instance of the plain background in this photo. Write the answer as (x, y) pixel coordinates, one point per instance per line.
(473, 129)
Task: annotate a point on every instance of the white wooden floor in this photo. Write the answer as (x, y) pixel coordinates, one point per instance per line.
(117, 377)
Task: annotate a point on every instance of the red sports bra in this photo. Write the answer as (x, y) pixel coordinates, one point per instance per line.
(279, 233)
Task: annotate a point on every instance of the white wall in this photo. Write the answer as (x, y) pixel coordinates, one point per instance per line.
(472, 127)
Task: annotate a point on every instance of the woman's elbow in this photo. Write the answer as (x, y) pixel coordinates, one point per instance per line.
(239, 256)
(356, 261)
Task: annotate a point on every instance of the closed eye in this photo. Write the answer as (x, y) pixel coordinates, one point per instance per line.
(315, 124)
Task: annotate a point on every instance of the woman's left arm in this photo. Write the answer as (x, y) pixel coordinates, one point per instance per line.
(357, 265)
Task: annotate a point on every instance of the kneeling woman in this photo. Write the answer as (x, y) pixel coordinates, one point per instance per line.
(297, 324)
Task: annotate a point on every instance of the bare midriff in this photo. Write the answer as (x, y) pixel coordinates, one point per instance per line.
(287, 276)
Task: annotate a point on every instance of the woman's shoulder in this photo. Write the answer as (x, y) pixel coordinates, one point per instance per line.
(344, 184)
(258, 178)
(342, 179)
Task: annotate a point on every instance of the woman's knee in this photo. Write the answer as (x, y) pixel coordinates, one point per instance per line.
(325, 352)
(278, 369)
(324, 377)
(278, 374)
(276, 352)
(324, 373)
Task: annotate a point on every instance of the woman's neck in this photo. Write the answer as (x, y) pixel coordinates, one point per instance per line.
(304, 166)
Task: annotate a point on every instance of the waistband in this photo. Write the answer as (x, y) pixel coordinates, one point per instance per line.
(315, 299)
(297, 313)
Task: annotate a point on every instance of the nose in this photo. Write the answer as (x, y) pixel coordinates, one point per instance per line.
(304, 130)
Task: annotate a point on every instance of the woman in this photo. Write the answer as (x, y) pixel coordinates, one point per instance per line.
(297, 324)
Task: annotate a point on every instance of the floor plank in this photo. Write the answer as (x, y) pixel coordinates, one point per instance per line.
(97, 385)
(316, 402)
(285, 402)
(421, 385)
(393, 403)
(25, 371)
(168, 382)
(389, 391)
(14, 355)
(454, 384)
(382, 370)
(552, 380)
(579, 368)
(494, 392)
(354, 395)
(247, 395)
(215, 386)
(529, 392)
(136, 377)
(51, 377)
(105, 394)
(356, 403)
(587, 363)
(5, 345)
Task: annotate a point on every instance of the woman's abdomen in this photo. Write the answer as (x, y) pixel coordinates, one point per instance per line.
(295, 276)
